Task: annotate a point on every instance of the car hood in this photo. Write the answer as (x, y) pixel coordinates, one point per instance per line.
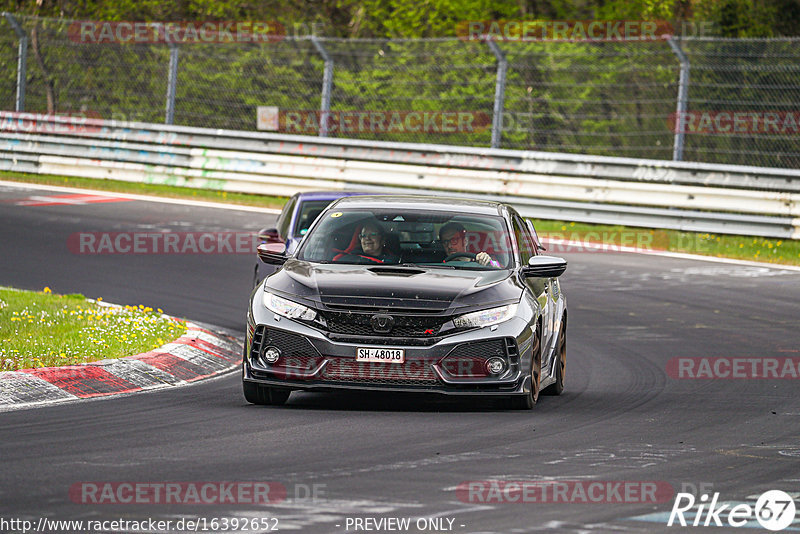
(383, 287)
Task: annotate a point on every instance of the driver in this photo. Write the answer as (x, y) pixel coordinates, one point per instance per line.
(453, 237)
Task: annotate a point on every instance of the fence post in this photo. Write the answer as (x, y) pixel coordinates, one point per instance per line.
(172, 80)
(22, 62)
(327, 86)
(499, 92)
(683, 99)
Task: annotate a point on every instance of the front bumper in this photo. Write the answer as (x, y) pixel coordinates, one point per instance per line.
(453, 365)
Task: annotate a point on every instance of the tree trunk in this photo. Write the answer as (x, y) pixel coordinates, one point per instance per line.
(48, 80)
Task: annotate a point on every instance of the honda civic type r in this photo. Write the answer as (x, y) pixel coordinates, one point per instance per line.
(412, 294)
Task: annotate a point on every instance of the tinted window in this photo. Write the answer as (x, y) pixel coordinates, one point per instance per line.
(524, 240)
(286, 218)
(536, 240)
(409, 236)
(307, 214)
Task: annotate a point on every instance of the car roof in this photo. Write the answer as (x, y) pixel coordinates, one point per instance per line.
(463, 205)
(327, 195)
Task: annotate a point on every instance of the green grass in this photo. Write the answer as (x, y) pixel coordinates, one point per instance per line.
(724, 246)
(41, 329)
(718, 245)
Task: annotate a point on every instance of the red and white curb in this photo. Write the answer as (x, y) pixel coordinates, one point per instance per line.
(199, 353)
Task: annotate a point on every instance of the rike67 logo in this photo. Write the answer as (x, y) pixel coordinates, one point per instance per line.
(774, 510)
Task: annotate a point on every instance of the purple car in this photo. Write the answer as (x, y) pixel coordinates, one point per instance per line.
(294, 221)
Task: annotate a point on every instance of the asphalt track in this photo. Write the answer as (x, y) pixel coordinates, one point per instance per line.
(622, 418)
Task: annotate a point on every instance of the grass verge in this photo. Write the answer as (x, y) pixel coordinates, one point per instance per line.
(41, 329)
(780, 251)
(762, 249)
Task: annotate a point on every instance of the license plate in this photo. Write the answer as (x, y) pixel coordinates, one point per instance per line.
(380, 355)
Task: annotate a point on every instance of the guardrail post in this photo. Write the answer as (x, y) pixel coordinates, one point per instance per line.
(499, 92)
(172, 80)
(22, 61)
(683, 99)
(327, 87)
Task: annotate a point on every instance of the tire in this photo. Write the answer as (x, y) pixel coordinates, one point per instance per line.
(264, 395)
(528, 401)
(557, 388)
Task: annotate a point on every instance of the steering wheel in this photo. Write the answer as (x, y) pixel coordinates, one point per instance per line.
(456, 255)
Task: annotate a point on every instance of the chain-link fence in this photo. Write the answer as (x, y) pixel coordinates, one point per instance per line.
(607, 98)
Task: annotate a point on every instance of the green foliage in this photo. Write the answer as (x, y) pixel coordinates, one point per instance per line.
(430, 18)
(603, 98)
(744, 18)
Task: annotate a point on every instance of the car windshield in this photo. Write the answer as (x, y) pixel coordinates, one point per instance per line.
(409, 237)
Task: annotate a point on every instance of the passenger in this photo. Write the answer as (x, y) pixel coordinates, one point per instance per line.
(453, 237)
(373, 246)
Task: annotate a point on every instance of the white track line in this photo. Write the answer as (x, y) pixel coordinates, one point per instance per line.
(144, 198)
(219, 205)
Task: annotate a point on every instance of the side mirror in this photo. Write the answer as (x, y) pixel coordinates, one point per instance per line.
(269, 235)
(272, 253)
(544, 267)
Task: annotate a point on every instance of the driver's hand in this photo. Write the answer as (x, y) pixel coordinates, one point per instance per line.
(483, 258)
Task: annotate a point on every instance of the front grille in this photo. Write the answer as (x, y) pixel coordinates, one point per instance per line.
(482, 349)
(291, 345)
(358, 324)
(409, 373)
(468, 360)
(296, 351)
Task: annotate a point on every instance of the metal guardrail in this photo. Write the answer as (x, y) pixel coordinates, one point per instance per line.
(597, 189)
(720, 100)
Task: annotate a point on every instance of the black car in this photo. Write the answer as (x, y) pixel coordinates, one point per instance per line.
(409, 293)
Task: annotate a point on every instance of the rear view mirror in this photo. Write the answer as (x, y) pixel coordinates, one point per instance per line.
(544, 267)
(269, 235)
(272, 253)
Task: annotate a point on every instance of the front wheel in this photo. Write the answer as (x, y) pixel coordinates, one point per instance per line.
(264, 395)
(527, 401)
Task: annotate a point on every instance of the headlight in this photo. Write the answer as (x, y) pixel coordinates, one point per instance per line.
(486, 317)
(287, 308)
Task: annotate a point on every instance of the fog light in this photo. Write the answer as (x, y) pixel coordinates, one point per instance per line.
(271, 354)
(495, 366)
